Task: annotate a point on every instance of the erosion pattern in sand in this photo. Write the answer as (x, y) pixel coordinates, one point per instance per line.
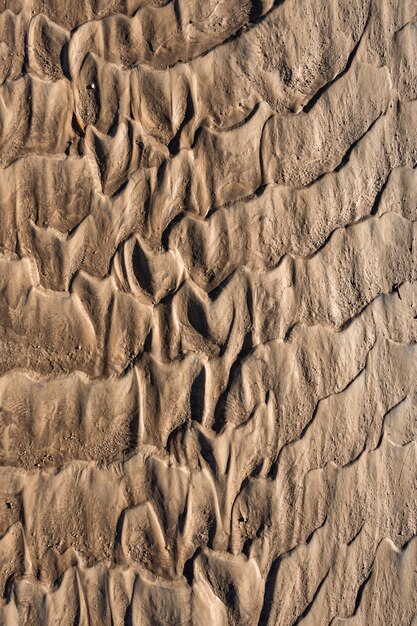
(208, 312)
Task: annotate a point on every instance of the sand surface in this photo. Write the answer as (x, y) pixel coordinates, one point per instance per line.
(208, 312)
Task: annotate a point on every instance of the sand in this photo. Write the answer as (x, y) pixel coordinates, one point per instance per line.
(208, 312)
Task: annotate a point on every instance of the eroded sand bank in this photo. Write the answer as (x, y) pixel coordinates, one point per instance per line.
(208, 316)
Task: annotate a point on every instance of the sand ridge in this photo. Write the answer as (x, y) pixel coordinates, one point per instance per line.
(208, 320)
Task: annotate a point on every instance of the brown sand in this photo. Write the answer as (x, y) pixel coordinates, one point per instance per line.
(208, 312)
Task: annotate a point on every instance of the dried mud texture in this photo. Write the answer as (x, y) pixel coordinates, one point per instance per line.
(208, 312)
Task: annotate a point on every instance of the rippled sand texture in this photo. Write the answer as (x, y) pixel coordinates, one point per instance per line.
(208, 312)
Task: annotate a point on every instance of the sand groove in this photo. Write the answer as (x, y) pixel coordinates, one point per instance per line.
(208, 312)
